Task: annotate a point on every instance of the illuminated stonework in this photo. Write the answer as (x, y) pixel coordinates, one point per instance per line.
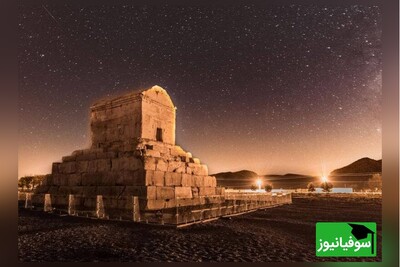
(133, 153)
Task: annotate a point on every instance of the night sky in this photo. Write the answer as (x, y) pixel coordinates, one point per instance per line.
(273, 89)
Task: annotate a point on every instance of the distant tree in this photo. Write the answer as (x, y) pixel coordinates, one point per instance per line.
(25, 182)
(268, 187)
(375, 182)
(326, 186)
(253, 187)
(311, 187)
(37, 180)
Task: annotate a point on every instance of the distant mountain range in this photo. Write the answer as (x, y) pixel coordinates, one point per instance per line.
(364, 165)
(353, 175)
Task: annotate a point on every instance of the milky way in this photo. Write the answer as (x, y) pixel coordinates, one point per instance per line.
(272, 89)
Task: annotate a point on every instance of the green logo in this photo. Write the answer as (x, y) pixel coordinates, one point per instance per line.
(354, 239)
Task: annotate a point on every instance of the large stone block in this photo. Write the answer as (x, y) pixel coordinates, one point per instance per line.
(55, 167)
(213, 181)
(195, 191)
(108, 178)
(103, 165)
(152, 153)
(126, 163)
(60, 179)
(183, 192)
(206, 191)
(53, 190)
(77, 153)
(75, 179)
(158, 178)
(148, 177)
(187, 180)
(47, 180)
(149, 163)
(106, 155)
(91, 179)
(67, 167)
(81, 166)
(41, 189)
(173, 166)
(196, 160)
(165, 192)
(68, 158)
(199, 181)
(161, 165)
(86, 156)
(173, 179)
(89, 191)
(92, 166)
(155, 204)
(177, 151)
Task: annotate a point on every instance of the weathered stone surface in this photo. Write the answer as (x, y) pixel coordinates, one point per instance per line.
(220, 190)
(89, 191)
(187, 180)
(55, 167)
(199, 181)
(90, 179)
(195, 191)
(68, 158)
(60, 179)
(103, 165)
(149, 177)
(158, 178)
(155, 204)
(149, 163)
(173, 179)
(81, 166)
(133, 153)
(206, 191)
(92, 166)
(86, 156)
(162, 165)
(106, 155)
(74, 179)
(67, 167)
(183, 192)
(165, 192)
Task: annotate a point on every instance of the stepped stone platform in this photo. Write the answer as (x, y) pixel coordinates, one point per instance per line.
(133, 168)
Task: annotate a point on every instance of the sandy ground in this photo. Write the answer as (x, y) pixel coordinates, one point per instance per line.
(285, 233)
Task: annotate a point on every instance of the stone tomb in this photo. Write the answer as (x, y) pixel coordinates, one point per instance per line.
(133, 153)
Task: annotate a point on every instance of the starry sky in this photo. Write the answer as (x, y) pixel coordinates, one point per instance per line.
(273, 89)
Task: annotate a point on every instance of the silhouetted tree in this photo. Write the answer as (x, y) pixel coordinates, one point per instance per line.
(253, 187)
(268, 187)
(311, 187)
(326, 186)
(375, 182)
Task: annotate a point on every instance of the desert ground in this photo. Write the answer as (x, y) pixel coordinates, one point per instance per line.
(285, 233)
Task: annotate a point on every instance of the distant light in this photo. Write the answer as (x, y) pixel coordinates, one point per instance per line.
(324, 179)
(259, 182)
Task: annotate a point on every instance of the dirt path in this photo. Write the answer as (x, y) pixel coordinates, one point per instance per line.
(285, 233)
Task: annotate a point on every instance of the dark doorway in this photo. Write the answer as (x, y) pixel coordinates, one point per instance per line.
(159, 135)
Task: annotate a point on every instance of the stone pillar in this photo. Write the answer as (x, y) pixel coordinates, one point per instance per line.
(100, 207)
(71, 205)
(47, 203)
(136, 210)
(28, 200)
